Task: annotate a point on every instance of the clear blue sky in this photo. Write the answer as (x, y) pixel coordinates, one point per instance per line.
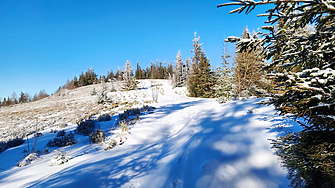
(43, 43)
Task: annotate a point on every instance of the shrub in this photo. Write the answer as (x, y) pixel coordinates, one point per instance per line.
(61, 133)
(53, 131)
(111, 143)
(104, 117)
(124, 126)
(94, 92)
(38, 134)
(62, 139)
(97, 136)
(85, 127)
(155, 92)
(27, 160)
(62, 125)
(15, 142)
(3, 146)
(59, 158)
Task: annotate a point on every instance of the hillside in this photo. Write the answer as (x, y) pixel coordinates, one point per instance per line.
(183, 142)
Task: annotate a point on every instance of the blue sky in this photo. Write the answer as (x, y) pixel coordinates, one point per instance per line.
(43, 43)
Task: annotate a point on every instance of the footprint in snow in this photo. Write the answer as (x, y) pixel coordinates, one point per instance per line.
(199, 139)
(183, 157)
(134, 185)
(177, 184)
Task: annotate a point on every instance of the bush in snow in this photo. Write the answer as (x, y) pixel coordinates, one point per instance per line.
(27, 160)
(61, 133)
(104, 117)
(97, 136)
(155, 92)
(53, 131)
(3, 146)
(124, 126)
(85, 127)
(15, 142)
(38, 134)
(59, 158)
(62, 140)
(102, 98)
(129, 80)
(94, 92)
(111, 143)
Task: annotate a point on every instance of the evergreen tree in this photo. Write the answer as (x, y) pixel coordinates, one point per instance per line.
(153, 71)
(224, 79)
(247, 70)
(130, 83)
(110, 75)
(201, 80)
(22, 98)
(161, 71)
(119, 74)
(179, 70)
(9, 101)
(82, 80)
(308, 78)
(138, 72)
(147, 73)
(75, 81)
(170, 69)
(4, 102)
(186, 71)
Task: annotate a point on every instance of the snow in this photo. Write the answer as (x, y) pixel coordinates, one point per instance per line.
(186, 142)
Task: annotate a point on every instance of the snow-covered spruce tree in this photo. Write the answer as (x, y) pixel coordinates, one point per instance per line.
(59, 158)
(179, 70)
(129, 80)
(224, 80)
(309, 90)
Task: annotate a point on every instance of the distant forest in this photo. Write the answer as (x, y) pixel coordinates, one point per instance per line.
(156, 70)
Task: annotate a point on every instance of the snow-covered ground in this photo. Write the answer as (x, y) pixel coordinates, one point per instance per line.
(186, 142)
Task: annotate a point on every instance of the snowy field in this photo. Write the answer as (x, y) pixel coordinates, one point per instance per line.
(186, 142)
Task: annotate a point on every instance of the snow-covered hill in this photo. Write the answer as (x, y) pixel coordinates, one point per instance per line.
(185, 142)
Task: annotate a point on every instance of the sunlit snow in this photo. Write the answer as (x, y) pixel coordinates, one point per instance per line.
(185, 142)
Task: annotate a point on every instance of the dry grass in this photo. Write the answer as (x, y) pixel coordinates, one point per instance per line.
(68, 108)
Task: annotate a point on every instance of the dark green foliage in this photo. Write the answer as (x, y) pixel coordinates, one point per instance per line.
(97, 136)
(15, 142)
(62, 140)
(201, 80)
(138, 72)
(104, 117)
(3, 147)
(312, 153)
(134, 113)
(85, 127)
(61, 133)
(9, 144)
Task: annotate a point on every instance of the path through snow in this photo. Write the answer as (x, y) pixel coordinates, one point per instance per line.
(186, 142)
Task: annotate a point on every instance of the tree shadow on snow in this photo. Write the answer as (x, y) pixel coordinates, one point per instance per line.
(223, 147)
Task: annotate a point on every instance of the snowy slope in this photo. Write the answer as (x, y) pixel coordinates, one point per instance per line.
(186, 142)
